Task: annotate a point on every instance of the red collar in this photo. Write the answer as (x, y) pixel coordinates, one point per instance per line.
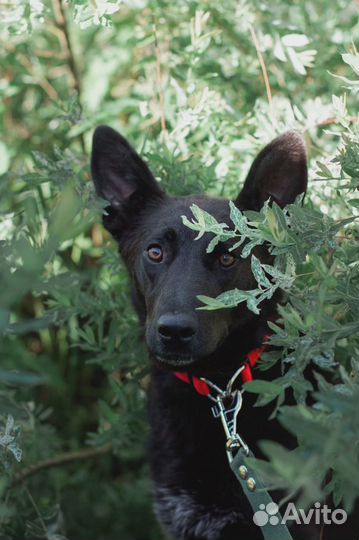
(202, 387)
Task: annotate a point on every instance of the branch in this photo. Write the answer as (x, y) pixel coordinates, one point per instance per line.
(329, 121)
(159, 82)
(264, 69)
(61, 24)
(30, 66)
(61, 459)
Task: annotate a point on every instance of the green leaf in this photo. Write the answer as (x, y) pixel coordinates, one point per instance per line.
(211, 303)
(352, 60)
(295, 40)
(263, 387)
(259, 274)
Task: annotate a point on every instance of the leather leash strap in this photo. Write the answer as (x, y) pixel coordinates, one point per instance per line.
(271, 526)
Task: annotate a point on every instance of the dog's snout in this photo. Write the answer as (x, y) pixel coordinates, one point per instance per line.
(178, 328)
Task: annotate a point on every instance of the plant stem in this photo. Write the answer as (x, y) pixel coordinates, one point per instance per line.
(61, 459)
(159, 82)
(62, 26)
(264, 70)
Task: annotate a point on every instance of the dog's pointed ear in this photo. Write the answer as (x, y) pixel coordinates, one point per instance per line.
(278, 173)
(121, 177)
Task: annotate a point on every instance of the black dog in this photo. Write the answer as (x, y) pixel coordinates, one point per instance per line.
(196, 494)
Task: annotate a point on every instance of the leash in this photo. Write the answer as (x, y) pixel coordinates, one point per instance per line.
(227, 404)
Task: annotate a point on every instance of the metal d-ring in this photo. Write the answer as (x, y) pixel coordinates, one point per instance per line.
(233, 379)
(223, 393)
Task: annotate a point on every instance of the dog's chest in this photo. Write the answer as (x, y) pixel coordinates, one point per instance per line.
(193, 484)
(187, 444)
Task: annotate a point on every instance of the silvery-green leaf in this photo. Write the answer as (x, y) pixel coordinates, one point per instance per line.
(248, 247)
(252, 305)
(16, 451)
(295, 40)
(258, 273)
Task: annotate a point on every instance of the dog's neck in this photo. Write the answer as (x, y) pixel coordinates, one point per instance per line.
(234, 350)
(224, 362)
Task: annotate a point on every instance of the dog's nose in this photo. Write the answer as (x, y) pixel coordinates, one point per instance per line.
(178, 328)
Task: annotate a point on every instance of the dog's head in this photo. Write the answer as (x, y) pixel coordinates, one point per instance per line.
(169, 269)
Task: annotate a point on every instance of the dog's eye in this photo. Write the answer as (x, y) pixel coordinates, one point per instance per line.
(226, 259)
(155, 253)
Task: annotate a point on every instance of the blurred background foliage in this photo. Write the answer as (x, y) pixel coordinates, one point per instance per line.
(198, 87)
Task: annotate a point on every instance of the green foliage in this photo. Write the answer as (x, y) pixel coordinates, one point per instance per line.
(184, 82)
(8, 440)
(316, 264)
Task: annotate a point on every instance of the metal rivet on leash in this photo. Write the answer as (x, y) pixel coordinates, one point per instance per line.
(251, 484)
(243, 472)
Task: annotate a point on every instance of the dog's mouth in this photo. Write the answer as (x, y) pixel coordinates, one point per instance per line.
(176, 361)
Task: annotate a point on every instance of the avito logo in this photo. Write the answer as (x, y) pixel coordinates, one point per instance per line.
(318, 515)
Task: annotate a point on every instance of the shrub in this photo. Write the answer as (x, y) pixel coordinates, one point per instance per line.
(199, 87)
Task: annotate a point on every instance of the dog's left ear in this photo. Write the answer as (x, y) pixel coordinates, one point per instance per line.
(117, 170)
(278, 173)
(122, 178)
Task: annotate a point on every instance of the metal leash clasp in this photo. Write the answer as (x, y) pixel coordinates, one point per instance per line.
(228, 403)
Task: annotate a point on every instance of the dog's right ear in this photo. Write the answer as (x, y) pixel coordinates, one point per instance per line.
(121, 178)
(279, 173)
